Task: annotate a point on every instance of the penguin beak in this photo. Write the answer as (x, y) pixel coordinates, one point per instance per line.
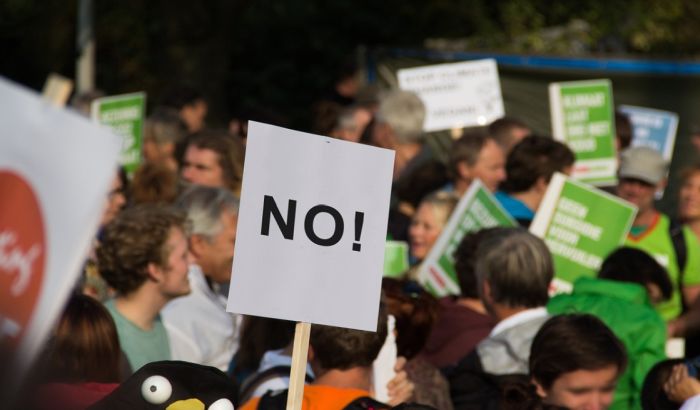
(189, 404)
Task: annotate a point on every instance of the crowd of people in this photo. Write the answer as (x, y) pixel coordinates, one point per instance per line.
(155, 283)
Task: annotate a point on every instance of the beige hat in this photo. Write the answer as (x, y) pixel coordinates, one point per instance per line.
(642, 163)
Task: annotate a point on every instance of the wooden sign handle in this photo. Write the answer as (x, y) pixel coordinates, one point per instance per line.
(297, 375)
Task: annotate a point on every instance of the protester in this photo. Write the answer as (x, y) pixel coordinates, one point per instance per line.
(214, 158)
(575, 362)
(154, 183)
(514, 269)
(82, 361)
(415, 311)
(163, 131)
(689, 199)
(529, 168)
(476, 155)
(507, 132)
(642, 172)
(200, 329)
(623, 131)
(462, 320)
(350, 123)
(143, 256)
(190, 106)
(628, 283)
(341, 360)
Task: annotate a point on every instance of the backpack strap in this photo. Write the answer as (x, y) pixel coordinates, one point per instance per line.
(256, 380)
(675, 232)
(274, 400)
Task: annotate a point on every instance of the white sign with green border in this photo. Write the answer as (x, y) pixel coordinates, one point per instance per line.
(476, 210)
(581, 226)
(583, 117)
(124, 115)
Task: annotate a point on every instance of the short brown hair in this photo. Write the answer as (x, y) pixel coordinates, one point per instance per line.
(532, 158)
(342, 349)
(135, 238)
(154, 183)
(230, 152)
(467, 149)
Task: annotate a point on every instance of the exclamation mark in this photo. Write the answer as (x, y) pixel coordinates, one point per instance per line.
(359, 220)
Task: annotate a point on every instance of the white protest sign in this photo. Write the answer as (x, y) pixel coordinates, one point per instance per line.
(55, 171)
(311, 229)
(456, 95)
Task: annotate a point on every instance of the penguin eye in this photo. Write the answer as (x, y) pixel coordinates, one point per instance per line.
(221, 404)
(156, 389)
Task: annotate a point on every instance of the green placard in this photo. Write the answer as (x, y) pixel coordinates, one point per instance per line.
(395, 258)
(124, 115)
(581, 226)
(583, 117)
(477, 209)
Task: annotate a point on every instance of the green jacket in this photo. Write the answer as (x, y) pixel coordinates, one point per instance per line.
(626, 310)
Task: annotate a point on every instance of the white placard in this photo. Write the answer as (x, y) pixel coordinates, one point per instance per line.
(55, 172)
(311, 229)
(456, 95)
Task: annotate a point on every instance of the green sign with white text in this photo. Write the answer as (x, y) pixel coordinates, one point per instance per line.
(583, 118)
(477, 209)
(124, 115)
(581, 226)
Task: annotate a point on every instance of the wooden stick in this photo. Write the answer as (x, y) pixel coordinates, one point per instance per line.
(57, 89)
(298, 374)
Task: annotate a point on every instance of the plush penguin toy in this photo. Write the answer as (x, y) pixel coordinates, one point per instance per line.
(172, 385)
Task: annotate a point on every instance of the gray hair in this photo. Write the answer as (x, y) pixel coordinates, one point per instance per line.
(404, 112)
(204, 207)
(517, 266)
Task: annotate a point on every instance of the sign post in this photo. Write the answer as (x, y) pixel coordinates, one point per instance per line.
(456, 95)
(477, 209)
(311, 234)
(583, 118)
(581, 225)
(124, 115)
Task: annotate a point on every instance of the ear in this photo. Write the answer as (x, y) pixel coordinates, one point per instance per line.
(541, 185)
(464, 171)
(155, 272)
(197, 244)
(539, 389)
(310, 356)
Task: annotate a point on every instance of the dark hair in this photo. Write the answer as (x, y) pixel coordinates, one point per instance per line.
(466, 149)
(342, 349)
(230, 153)
(258, 335)
(134, 239)
(465, 262)
(533, 158)
(653, 395)
(501, 130)
(415, 311)
(178, 97)
(85, 344)
(567, 343)
(623, 129)
(633, 265)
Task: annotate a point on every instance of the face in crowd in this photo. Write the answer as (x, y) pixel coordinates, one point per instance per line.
(638, 192)
(115, 200)
(201, 166)
(689, 203)
(490, 167)
(172, 278)
(582, 389)
(215, 254)
(427, 224)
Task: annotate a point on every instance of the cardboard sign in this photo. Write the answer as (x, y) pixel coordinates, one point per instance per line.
(395, 258)
(124, 115)
(477, 209)
(456, 95)
(311, 229)
(652, 128)
(583, 118)
(581, 226)
(55, 171)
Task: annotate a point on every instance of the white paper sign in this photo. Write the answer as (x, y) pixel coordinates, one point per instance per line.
(456, 95)
(55, 171)
(311, 229)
